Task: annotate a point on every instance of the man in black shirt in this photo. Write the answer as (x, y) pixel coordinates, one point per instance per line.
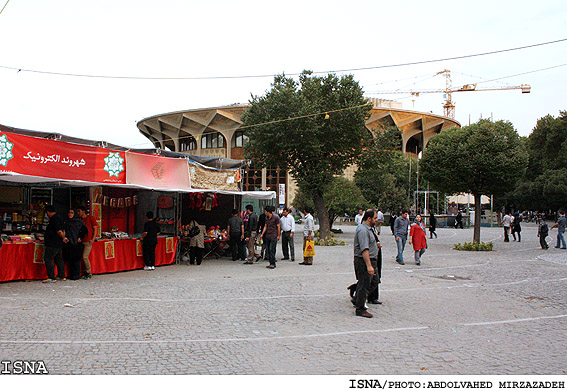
(149, 241)
(54, 239)
(235, 231)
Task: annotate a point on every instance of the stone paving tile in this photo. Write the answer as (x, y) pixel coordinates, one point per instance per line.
(503, 312)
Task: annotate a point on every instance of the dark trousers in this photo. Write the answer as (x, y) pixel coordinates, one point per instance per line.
(237, 248)
(195, 253)
(149, 252)
(374, 291)
(53, 254)
(73, 254)
(506, 238)
(364, 283)
(271, 244)
(542, 241)
(287, 245)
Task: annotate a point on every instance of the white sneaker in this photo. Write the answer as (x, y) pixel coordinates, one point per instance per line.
(152, 268)
(147, 268)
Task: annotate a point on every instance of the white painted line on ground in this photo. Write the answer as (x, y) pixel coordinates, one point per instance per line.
(248, 339)
(513, 320)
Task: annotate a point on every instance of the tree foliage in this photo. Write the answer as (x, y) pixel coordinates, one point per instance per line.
(483, 158)
(341, 197)
(288, 127)
(383, 172)
(544, 185)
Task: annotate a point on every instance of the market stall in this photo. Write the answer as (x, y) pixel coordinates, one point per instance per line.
(117, 185)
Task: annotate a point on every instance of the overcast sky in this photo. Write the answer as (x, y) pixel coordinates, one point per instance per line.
(168, 38)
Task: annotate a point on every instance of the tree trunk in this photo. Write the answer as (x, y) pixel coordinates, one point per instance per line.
(323, 216)
(477, 217)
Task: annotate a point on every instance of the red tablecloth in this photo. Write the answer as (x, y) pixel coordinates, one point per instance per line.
(24, 261)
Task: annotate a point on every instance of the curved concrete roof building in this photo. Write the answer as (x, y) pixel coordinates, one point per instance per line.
(215, 132)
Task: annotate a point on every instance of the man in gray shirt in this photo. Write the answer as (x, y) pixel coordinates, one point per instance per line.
(401, 234)
(365, 253)
(560, 230)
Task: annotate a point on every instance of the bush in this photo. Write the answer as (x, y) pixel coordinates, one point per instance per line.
(316, 233)
(329, 242)
(473, 246)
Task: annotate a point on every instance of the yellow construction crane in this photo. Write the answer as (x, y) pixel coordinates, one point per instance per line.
(448, 105)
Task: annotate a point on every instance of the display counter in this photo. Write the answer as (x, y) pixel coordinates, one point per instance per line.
(24, 261)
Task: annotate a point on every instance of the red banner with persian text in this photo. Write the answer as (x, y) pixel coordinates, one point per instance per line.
(45, 158)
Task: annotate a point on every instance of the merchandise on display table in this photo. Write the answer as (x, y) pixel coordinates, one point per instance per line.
(115, 235)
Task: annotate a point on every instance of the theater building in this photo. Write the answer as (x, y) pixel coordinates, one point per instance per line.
(215, 132)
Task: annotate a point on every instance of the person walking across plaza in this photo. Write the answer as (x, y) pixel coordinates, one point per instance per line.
(235, 232)
(365, 254)
(54, 240)
(271, 234)
(149, 241)
(379, 221)
(288, 230)
(432, 226)
(417, 238)
(250, 233)
(358, 217)
(560, 224)
(516, 226)
(542, 232)
(75, 231)
(261, 223)
(459, 220)
(401, 234)
(308, 234)
(506, 221)
(88, 240)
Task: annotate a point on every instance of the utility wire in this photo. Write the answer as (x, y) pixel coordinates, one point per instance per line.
(397, 91)
(2, 10)
(289, 74)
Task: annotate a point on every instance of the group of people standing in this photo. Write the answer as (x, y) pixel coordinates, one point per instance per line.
(512, 223)
(68, 241)
(267, 228)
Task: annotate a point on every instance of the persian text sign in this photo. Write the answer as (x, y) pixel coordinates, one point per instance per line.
(157, 172)
(208, 178)
(60, 160)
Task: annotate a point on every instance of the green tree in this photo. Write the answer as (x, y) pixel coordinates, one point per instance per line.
(383, 172)
(314, 128)
(544, 185)
(483, 158)
(342, 196)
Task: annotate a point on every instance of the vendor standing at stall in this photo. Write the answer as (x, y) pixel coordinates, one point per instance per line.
(88, 240)
(75, 231)
(149, 241)
(235, 230)
(54, 241)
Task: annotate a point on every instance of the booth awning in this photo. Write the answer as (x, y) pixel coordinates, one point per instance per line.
(28, 159)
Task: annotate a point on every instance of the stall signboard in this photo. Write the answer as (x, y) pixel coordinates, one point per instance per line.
(139, 250)
(109, 250)
(157, 172)
(38, 253)
(55, 159)
(168, 245)
(213, 179)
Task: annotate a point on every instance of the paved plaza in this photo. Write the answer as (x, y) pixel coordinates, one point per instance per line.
(503, 312)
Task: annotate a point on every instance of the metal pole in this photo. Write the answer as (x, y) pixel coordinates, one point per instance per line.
(491, 211)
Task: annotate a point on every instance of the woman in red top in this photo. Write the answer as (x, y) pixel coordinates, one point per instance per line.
(417, 238)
